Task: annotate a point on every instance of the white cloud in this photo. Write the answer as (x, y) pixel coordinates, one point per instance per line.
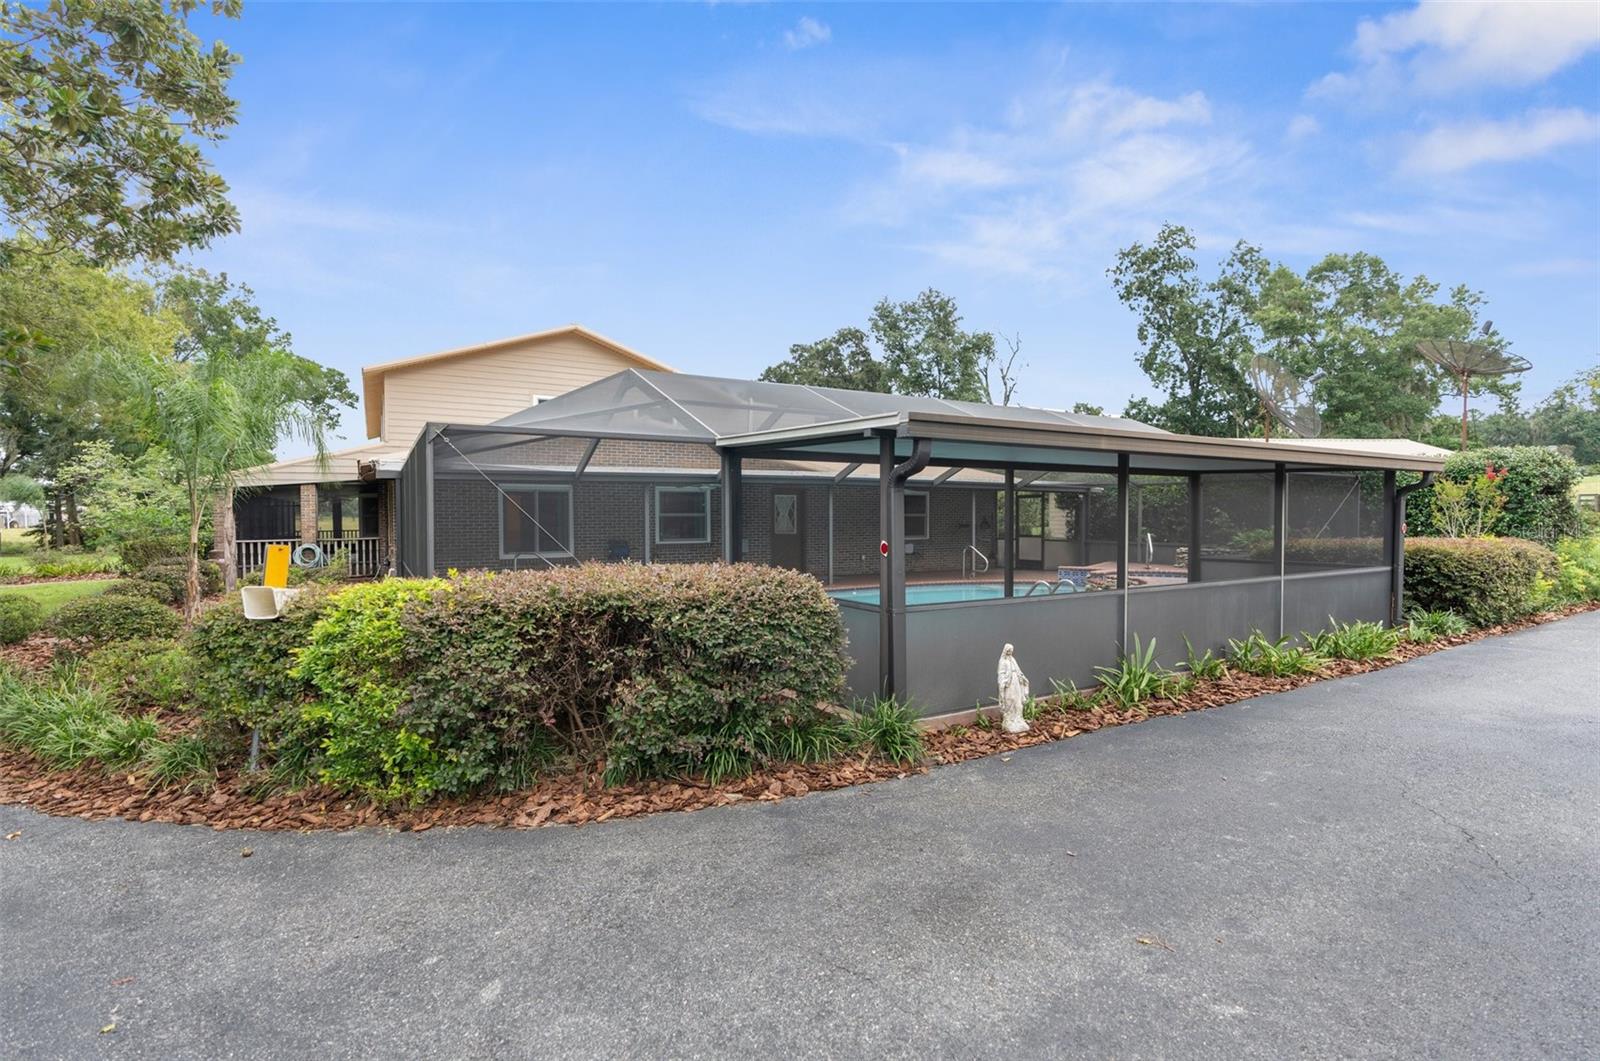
(1302, 127)
(1456, 147)
(1067, 172)
(953, 168)
(807, 33)
(1442, 46)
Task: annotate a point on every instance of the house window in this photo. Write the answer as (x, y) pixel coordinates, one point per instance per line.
(683, 515)
(535, 521)
(916, 515)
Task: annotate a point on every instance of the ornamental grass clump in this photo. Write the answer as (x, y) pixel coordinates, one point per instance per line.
(1358, 640)
(1204, 666)
(67, 721)
(1426, 627)
(1265, 658)
(888, 728)
(1137, 677)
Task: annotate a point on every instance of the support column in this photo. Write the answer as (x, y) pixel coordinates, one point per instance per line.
(1280, 533)
(308, 513)
(1123, 524)
(1196, 522)
(891, 573)
(1011, 531)
(732, 508)
(1391, 539)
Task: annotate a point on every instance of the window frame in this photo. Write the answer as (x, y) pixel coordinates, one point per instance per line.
(535, 488)
(927, 516)
(704, 490)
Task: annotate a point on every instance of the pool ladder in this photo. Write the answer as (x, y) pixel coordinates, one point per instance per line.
(976, 558)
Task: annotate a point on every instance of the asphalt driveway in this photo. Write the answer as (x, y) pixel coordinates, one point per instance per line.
(1405, 863)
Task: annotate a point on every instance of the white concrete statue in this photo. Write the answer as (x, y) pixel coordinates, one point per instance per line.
(1013, 692)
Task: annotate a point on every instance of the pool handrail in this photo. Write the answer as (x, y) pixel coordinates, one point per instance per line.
(976, 556)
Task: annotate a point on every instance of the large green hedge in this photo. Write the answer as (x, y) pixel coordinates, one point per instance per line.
(1537, 486)
(411, 687)
(1485, 580)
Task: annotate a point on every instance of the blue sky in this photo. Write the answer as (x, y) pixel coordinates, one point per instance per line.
(710, 183)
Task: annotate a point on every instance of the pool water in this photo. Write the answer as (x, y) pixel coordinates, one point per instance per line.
(931, 593)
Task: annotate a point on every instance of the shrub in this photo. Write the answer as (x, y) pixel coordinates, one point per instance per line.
(1425, 627)
(1578, 575)
(141, 587)
(659, 669)
(100, 619)
(1357, 640)
(142, 673)
(244, 667)
(76, 566)
(140, 553)
(404, 688)
(20, 615)
(1136, 677)
(1265, 658)
(355, 661)
(175, 575)
(1536, 484)
(1357, 552)
(1485, 580)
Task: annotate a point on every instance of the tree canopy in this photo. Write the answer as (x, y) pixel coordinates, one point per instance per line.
(915, 348)
(107, 105)
(1196, 333)
(1349, 325)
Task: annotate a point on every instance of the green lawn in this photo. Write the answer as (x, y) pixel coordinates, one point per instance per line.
(12, 542)
(1588, 485)
(52, 595)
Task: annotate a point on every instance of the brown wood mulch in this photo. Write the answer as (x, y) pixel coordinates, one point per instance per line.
(580, 798)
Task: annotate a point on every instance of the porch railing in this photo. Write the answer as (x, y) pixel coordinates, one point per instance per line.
(368, 556)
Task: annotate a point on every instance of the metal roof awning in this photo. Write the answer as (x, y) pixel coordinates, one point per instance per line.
(793, 422)
(976, 440)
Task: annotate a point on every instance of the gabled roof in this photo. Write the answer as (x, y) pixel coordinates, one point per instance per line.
(372, 376)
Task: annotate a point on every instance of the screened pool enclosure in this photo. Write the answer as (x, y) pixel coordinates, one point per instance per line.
(944, 529)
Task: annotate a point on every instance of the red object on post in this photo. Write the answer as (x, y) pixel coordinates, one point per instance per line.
(883, 548)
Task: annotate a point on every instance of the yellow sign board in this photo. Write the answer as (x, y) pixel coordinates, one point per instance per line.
(277, 573)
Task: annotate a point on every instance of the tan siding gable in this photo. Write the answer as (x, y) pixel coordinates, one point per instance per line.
(480, 388)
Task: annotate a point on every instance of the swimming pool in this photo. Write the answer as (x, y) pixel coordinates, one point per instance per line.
(931, 593)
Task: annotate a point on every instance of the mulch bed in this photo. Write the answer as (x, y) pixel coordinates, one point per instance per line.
(580, 799)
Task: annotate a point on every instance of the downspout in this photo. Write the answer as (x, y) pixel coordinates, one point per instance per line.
(1397, 533)
(892, 565)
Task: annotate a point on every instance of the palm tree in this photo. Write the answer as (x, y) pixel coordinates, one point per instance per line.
(216, 415)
